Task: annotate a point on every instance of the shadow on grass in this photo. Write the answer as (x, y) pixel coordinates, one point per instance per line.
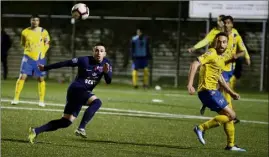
(136, 144)
(102, 142)
(21, 141)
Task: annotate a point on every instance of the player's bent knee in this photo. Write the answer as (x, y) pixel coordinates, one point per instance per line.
(70, 117)
(97, 103)
(22, 77)
(232, 115)
(40, 79)
(65, 123)
(228, 112)
(91, 99)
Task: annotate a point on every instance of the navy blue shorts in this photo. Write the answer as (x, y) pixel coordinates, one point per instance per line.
(227, 75)
(140, 63)
(213, 99)
(29, 66)
(75, 99)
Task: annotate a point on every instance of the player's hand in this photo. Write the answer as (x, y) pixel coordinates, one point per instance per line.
(248, 61)
(41, 67)
(191, 50)
(191, 89)
(235, 96)
(235, 57)
(106, 67)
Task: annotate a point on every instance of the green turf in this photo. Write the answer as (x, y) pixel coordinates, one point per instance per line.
(114, 135)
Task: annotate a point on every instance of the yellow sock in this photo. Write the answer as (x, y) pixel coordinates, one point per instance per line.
(146, 76)
(230, 131)
(18, 89)
(232, 82)
(216, 121)
(134, 76)
(41, 90)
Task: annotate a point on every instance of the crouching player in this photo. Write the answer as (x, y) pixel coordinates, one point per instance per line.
(90, 71)
(212, 64)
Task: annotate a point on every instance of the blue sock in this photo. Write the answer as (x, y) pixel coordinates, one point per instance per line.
(89, 113)
(53, 125)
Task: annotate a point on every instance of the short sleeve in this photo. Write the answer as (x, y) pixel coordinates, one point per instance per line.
(206, 57)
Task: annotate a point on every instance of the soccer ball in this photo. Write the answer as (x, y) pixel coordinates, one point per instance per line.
(80, 11)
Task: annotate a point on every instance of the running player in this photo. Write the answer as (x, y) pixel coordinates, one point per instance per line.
(210, 77)
(90, 71)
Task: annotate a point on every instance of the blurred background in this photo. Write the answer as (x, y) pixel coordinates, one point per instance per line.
(173, 27)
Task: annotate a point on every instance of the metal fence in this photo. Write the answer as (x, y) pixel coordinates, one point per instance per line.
(116, 33)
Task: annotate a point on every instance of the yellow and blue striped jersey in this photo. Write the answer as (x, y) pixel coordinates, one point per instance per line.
(212, 65)
(35, 42)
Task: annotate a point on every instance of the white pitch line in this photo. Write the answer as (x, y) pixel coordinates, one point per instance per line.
(177, 95)
(108, 113)
(129, 112)
(109, 109)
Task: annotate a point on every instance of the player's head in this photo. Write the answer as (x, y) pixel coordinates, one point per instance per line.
(220, 22)
(139, 31)
(228, 23)
(99, 52)
(35, 20)
(221, 42)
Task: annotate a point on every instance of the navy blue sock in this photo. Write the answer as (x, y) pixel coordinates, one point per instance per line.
(53, 125)
(89, 112)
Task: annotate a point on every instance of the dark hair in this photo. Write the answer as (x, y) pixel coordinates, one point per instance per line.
(228, 17)
(99, 44)
(35, 16)
(221, 16)
(222, 34)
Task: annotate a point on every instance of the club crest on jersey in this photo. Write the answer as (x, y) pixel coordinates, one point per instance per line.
(98, 68)
(94, 74)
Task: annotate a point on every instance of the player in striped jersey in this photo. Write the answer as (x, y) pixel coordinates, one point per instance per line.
(35, 41)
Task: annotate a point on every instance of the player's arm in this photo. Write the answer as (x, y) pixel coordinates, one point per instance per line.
(208, 39)
(241, 47)
(203, 59)
(247, 58)
(132, 49)
(23, 39)
(226, 87)
(149, 56)
(107, 72)
(193, 69)
(46, 41)
(240, 52)
(68, 63)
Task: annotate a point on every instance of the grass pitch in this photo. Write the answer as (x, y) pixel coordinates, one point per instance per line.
(129, 124)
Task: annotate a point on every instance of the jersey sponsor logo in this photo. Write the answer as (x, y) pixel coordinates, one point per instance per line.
(74, 60)
(90, 82)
